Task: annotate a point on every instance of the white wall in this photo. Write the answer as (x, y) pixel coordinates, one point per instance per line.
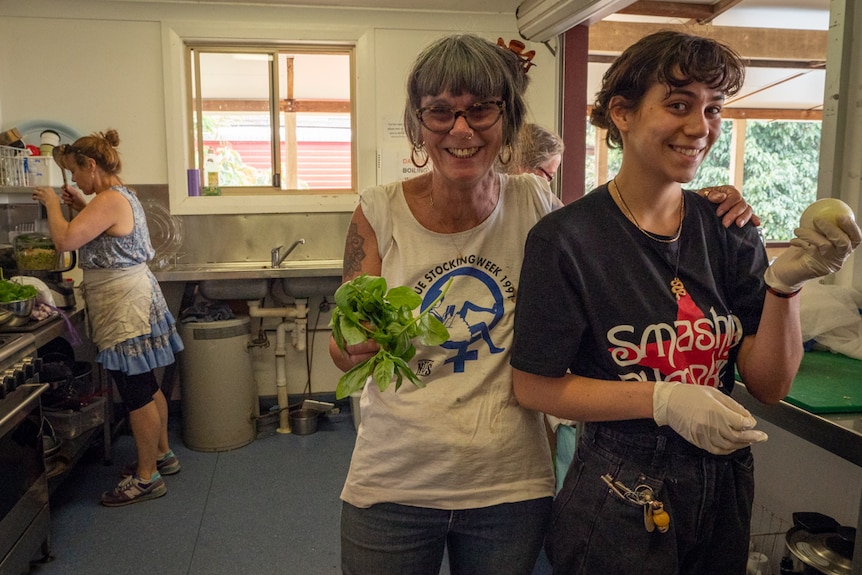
(93, 64)
(88, 75)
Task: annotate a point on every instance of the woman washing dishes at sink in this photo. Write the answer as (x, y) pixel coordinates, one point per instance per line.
(131, 325)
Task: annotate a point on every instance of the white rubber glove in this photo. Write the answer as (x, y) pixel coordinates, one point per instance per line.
(813, 253)
(704, 416)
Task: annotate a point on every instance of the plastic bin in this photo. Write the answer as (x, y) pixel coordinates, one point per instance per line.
(219, 396)
(44, 171)
(69, 424)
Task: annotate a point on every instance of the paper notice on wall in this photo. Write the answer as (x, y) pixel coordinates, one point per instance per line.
(393, 130)
(394, 165)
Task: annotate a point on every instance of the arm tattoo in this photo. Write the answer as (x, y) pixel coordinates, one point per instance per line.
(353, 252)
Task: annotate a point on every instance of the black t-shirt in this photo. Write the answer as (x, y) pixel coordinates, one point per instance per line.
(594, 296)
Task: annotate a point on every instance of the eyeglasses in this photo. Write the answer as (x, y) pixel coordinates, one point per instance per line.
(549, 177)
(480, 116)
(65, 149)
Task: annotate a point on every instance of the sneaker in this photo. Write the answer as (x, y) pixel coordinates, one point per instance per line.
(132, 490)
(167, 465)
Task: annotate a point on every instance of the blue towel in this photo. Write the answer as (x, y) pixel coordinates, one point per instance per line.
(206, 311)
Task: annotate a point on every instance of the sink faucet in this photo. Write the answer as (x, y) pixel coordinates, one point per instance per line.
(277, 257)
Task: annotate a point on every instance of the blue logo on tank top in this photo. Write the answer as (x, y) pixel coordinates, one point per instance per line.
(468, 321)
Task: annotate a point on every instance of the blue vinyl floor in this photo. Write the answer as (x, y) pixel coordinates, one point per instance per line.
(269, 507)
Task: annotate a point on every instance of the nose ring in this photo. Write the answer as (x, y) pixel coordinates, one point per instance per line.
(470, 137)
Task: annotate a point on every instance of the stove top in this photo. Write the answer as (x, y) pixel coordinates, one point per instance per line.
(15, 347)
(31, 325)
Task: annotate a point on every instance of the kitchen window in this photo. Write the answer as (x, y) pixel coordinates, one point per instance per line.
(271, 120)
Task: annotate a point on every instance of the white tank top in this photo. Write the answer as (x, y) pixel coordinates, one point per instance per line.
(462, 441)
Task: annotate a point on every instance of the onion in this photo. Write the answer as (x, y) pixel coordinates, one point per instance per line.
(828, 209)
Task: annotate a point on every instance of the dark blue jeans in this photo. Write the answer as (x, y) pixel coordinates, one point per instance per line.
(708, 498)
(391, 539)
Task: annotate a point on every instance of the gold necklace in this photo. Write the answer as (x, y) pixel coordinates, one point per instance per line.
(649, 234)
(466, 242)
(677, 288)
(489, 209)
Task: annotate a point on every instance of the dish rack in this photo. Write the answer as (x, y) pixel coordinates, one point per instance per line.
(13, 167)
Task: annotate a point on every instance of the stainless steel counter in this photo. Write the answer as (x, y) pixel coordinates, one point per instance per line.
(248, 270)
(839, 433)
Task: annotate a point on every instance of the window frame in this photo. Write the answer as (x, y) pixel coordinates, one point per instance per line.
(176, 73)
(274, 53)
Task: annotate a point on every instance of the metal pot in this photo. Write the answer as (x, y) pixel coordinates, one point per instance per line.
(16, 313)
(36, 252)
(71, 382)
(304, 421)
(820, 545)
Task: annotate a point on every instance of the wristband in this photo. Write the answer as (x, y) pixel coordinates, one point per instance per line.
(782, 295)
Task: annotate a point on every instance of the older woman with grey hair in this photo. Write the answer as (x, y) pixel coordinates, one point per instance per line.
(457, 465)
(539, 151)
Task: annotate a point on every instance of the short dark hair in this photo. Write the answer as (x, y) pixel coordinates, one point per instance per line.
(671, 58)
(467, 64)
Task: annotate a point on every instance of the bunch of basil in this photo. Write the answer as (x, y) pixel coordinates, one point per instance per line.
(366, 310)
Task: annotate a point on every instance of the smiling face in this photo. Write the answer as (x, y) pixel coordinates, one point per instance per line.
(462, 155)
(671, 131)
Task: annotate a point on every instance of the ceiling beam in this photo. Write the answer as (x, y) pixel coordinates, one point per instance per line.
(749, 62)
(612, 37)
(702, 13)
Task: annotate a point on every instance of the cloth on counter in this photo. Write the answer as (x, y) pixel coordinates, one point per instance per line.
(206, 311)
(43, 292)
(830, 316)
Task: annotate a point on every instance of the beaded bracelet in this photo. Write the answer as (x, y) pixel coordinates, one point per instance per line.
(782, 295)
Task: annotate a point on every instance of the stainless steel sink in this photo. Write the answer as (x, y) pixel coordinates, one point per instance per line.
(310, 286)
(247, 289)
(250, 280)
(241, 270)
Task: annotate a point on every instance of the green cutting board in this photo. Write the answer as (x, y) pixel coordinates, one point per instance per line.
(827, 383)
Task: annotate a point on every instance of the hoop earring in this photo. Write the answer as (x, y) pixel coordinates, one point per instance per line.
(419, 149)
(508, 150)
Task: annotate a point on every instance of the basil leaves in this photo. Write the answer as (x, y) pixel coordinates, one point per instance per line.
(365, 309)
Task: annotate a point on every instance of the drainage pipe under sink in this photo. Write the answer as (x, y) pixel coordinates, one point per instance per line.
(295, 320)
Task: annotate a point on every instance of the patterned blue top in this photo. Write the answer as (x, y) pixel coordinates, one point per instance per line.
(119, 252)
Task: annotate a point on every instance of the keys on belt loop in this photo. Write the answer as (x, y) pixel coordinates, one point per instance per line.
(655, 517)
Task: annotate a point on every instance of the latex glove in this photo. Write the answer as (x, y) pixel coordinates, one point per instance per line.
(704, 416)
(813, 253)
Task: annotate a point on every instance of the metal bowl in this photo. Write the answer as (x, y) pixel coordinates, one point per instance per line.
(16, 313)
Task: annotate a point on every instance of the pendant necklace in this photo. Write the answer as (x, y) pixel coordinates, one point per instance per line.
(491, 204)
(466, 242)
(677, 288)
